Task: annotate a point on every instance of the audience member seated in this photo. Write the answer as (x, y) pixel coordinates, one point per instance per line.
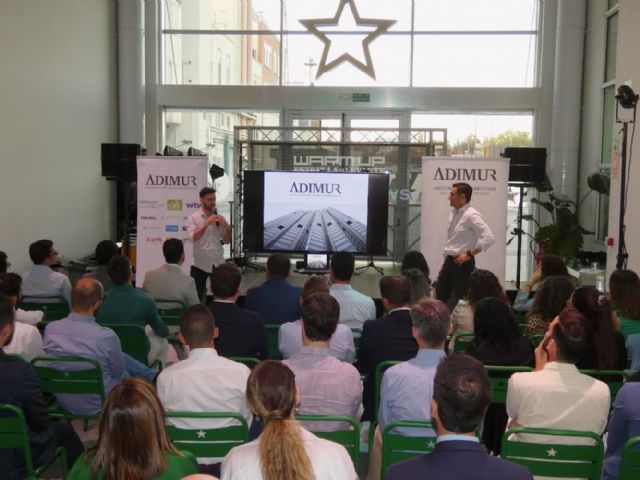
(419, 284)
(355, 308)
(4, 262)
(132, 442)
(461, 394)
(205, 382)
(19, 386)
(496, 341)
(341, 344)
(105, 251)
(550, 299)
(547, 266)
(169, 281)
(124, 303)
(284, 450)
(482, 284)
(327, 385)
(242, 333)
(606, 345)
(624, 423)
(26, 341)
(276, 299)
(624, 291)
(41, 281)
(79, 335)
(556, 395)
(387, 338)
(11, 285)
(407, 388)
(415, 259)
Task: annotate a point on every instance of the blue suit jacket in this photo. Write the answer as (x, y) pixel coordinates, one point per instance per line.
(276, 300)
(457, 460)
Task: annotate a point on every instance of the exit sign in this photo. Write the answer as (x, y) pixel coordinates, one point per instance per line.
(361, 97)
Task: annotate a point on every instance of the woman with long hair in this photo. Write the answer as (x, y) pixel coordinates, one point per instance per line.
(284, 450)
(132, 442)
(415, 259)
(419, 284)
(624, 294)
(549, 301)
(548, 266)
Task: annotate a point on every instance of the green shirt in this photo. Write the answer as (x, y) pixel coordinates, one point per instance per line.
(628, 326)
(179, 466)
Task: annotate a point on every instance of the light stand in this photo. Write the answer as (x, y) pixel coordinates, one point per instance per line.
(626, 98)
(369, 265)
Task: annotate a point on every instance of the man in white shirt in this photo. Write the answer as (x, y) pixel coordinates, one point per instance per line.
(355, 308)
(41, 281)
(208, 231)
(468, 235)
(556, 395)
(169, 281)
(205, 382)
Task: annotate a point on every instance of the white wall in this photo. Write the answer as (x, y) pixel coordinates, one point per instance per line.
(58, 88)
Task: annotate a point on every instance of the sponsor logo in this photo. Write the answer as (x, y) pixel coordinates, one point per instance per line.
(337, 160)
(149, 204)
(310, 187)
(153, 239)
(461, 174)
(193, 205)
(171, 228)
(171, 180)
(174, 204)
(145, 217)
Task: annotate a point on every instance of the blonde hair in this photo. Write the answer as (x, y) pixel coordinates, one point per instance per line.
(271, 393)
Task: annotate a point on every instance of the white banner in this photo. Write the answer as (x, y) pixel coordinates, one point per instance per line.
(489, 178)
(168, 192)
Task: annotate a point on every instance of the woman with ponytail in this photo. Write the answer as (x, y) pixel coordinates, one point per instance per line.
(284, 450)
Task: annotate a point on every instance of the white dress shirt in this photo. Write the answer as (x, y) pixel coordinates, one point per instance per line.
(41, 281)
(329, 460)
(341, 345)
(30, 317)
(207, 250)
(26, 342)
(467, 229)
(355, 308)
(205, 382)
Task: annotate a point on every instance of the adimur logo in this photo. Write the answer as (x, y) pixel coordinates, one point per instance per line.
(174, 204)
(171, 228)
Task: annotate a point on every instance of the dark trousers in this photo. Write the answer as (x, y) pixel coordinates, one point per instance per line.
(200, 276)
(453, 281)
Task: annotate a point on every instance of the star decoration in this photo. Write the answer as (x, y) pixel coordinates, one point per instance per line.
(431, 444)
(201, 434)
(380, 25)
(551, 452)
(67, 374)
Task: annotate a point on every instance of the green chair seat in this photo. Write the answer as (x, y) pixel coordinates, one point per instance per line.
(397, 448)
(272, 342)
(461, 341)
(170, 311)
(349, 439)
(134, 342)
(630, 466)
(54, 307)
(499, 378)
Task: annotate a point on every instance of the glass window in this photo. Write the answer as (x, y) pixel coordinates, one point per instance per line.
(611, 53)
(608, 113)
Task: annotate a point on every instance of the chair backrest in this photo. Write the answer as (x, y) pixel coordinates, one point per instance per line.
(272, 341)
(536, 339)
(560, 460)
(54, 307)
(15, 434)
(133, 340)
(349, 439)
(499, 377)
(396, 447)
(208, 442)
(380, 369)
(170, 310)
(357, 335)
(630, 466)
(248, 361)
(461, 341)
(613, 378)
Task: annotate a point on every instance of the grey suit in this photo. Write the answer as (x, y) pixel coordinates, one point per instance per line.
(170, 282)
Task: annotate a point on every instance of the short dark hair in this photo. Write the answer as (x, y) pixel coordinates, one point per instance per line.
(320, 315)
(415, 259)
(484, 284)
(197, 325)
(342, 265)
(494, 323)
(462, 391)
(7, 312)
(4, 264)
(40, 250)
(464, 189)
(432, 319)
(10, 284)
(85, 293)
(225, 280)
(105, 251)
(396, 289)
(119, 269)
(571, 335)
(172, 249)
(207, 191)
(553, 265)
(315, 284)
(278, 265)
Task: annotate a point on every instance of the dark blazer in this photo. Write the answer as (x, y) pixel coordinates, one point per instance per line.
(386, 338)
(242, 333)
(457, 460)
(276, 300)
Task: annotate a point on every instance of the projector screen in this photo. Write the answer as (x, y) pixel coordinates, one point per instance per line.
(315, 212)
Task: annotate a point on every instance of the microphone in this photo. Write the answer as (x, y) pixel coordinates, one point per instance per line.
(215, 212)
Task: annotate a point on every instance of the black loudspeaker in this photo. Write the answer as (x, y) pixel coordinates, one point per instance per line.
(528, 165)
(119, 160)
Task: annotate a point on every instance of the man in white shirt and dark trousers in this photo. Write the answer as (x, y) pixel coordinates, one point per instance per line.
(468, 235)
(208, 231)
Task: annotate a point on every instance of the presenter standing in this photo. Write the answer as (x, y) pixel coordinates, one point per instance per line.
(468, 235)
(209, 232)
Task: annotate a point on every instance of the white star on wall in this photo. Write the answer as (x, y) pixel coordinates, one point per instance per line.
(381, 26)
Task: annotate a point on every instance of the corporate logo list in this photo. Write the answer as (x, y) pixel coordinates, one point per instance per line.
(171, 228)
(174, 204)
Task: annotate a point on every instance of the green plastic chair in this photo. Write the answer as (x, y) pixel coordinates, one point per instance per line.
(170, 311)
(555, 460)
(396, 447)
(208, 442)
(272, 342)
(461, 341)
(380, 369)
(349, 439)
(630, 466)
(85, 378)
(14, 434)
(613, 378)
(536, 339)
(54, 307)
(499, 378)
(248, 361)
(357, 335)
(134, 342)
